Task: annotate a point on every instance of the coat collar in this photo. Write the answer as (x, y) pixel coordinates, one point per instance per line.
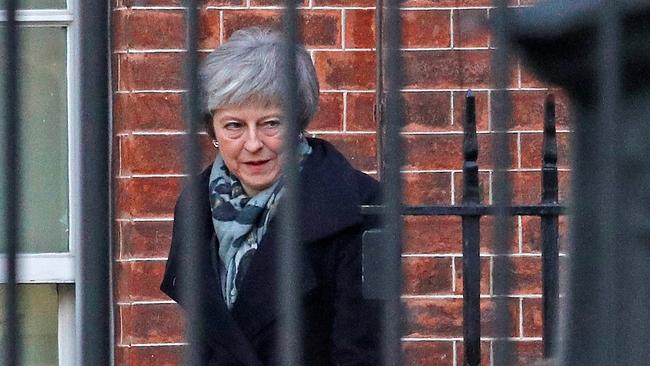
(329, 203)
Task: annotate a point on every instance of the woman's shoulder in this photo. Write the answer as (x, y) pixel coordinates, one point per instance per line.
(332, 165)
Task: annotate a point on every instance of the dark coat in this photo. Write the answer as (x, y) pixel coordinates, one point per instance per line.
(341, 327)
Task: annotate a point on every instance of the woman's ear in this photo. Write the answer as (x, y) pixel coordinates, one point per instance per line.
(208, 125)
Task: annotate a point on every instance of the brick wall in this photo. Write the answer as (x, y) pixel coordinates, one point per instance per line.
(448, 52)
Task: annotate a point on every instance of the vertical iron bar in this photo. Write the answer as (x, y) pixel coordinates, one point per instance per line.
(288, 261)
(392, 194)
(598, 239)
(549, 229)
(502, 189)
(379, 91)
(12, 183)
(93, 276)
(193, 281)
(471, 240)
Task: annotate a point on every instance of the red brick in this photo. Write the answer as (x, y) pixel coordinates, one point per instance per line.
(151, 71)
(330, 113)
(119, 30)
(122, 354)
(156, 29)
(150, 112)
(319, 28)
(145, 239)
(159, 154)
(427, 188)
(146, 197)
(485, 275)
(531, 150)
(425, 152)
(152, 323)
(445, 3)
(420, 29)
(275, 3)
(565, 184)
(487, 235)
(344, 2)
(526, 274)
(532, 237)
(524, 352)
(447, 69)
(437, 353)
(434, 318)
(443, 317)
(361, 112)
(346, 70)
(130, 3)
(526, 187)
(486, 352)
(428, 28)
(482, 112)
(427, 111)
(533, 318)
(485, 150)
(115, 68)
(150, 356)
(360, 28)
(427, 275)
(528, 111)
(139, 281)
(488, 317)
(432, 234)
(470, 28)
(181, 3)
(210, 33)
(359, 149)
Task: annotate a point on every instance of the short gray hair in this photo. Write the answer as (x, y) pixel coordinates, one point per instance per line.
(249, 68)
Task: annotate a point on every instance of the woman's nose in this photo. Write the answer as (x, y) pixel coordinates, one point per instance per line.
(252, 143)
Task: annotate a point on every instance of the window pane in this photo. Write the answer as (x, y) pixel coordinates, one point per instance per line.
(44, 142)
(38, 311)
(37, 4)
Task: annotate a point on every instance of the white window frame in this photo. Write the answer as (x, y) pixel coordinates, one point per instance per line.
(59, 268)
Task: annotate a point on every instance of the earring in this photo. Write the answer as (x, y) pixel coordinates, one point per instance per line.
(215, 143)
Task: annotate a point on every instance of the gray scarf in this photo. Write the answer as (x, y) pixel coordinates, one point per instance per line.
(240, 222)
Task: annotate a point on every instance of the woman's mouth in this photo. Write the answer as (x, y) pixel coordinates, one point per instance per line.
(256, 162)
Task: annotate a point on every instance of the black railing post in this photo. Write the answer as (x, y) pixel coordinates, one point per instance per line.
(549, 229)
(289, 259)
(471, 241)
(501, 185)
(392, 187)
(192, 281)
(12, 182)
(94, 250)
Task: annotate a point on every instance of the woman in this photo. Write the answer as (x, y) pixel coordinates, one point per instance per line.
(242, 89)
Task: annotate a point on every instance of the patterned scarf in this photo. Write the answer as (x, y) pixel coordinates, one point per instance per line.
(240, 221)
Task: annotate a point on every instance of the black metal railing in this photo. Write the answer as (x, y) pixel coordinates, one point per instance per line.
(594, 338)
(471, 212)
(12, 182)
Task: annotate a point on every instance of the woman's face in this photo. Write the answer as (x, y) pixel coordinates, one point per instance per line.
(250, 142)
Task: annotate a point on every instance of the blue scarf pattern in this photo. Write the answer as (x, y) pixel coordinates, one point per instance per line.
(240, 221)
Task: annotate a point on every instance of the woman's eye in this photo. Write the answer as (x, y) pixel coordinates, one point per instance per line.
(272, 123)
(232, 125)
